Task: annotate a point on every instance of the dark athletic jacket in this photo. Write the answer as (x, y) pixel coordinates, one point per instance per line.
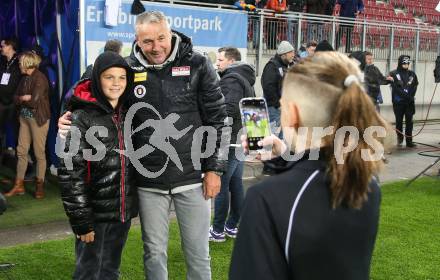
(404, 87)
(272, 79)
(312, 241)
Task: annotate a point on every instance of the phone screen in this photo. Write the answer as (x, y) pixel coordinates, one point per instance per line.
(255, 120)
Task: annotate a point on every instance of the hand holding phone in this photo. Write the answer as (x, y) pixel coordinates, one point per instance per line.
(276, 146)
(255, 120)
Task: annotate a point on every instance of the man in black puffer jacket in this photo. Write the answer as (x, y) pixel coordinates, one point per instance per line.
(182, 97)
(237, 80)
(97, 188)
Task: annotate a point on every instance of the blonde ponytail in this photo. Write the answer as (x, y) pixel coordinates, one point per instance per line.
(350, 180)
(328, 92)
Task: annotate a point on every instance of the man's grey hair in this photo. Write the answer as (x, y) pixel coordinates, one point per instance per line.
(151, 17)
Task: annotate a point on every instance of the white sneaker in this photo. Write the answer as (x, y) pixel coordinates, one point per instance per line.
(53, 170)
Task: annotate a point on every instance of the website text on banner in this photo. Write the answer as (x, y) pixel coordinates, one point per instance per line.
(209, 28)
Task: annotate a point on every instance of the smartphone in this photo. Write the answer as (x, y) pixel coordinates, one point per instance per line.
(255, 119)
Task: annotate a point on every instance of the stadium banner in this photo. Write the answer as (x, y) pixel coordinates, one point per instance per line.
(209, 28)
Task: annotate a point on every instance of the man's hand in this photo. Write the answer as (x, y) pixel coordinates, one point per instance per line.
(389, 78)
(64, 124)
(211, 185)
(87, 238)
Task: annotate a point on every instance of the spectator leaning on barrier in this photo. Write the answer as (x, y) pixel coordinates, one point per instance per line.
(296, 6)
(349, 9)
(10, 76)
(237, 81)
(273, 24)
(315, 29)
(318, 7)
(403, 90)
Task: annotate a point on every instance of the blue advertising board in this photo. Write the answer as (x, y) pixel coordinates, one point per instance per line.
(209, 28)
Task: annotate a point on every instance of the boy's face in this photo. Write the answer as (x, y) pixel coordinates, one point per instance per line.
(113, 84)
(369, 59)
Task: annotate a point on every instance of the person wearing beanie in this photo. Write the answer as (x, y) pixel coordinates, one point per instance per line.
(403, 89)
(98, 195)
(272, 78)
(271, 81)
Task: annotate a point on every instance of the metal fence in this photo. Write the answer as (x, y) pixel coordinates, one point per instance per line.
(385, 40)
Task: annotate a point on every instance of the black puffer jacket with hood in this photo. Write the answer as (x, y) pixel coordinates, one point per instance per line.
(237, 82)
(180, 96)
(101, 189)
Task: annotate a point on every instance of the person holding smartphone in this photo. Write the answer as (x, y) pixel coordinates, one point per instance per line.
(319, 218)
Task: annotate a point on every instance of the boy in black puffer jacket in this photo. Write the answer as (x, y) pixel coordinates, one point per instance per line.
(98, 194)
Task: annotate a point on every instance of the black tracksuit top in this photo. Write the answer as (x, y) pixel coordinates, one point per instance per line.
(324, 243)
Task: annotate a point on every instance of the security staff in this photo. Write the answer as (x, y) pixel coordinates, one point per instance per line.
(403, 89)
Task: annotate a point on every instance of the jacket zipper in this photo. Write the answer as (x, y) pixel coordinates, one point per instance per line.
(122, 158)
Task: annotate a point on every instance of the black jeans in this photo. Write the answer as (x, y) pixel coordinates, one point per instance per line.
(406, 110)
(102, 258)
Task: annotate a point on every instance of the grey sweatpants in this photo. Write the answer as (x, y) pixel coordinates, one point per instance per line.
(193, 216)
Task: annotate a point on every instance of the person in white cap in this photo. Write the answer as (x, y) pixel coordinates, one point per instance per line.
(273, 74)
(271, 81)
